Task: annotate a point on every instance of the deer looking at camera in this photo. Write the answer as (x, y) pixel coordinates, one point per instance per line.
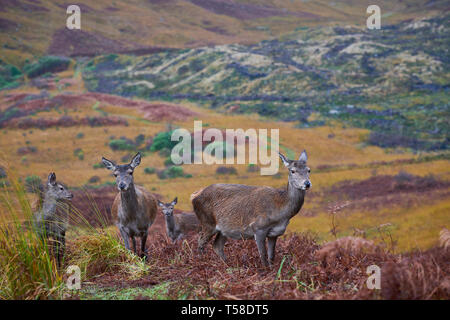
(242, 212)
(178, 225)
(134, 208)
(52, 220)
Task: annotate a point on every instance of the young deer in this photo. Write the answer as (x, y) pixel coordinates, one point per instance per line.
(178, 225)
(52, 219)
(243, 212)
(134, 208)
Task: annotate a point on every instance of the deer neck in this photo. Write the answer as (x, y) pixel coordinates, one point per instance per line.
(170, 223)
(294, 201)
(129, 200)
(53, 207)
(49, 206)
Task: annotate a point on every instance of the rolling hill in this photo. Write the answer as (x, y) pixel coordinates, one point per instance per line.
(30, 29)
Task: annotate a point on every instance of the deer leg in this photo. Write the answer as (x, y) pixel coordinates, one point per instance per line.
(204, 238)
(219, 243)
(271, 242)
(260, 238)
(60, 247)
(125, 238)
(133, 241)
(143, 243)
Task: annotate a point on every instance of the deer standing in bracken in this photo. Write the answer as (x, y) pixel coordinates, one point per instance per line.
(134, 208)
(243, 212)
(178, 225)
(52, 220)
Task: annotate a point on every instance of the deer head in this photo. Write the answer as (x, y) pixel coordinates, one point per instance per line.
(167, 208)
(57, 190)
(123, 173)
(298, 171)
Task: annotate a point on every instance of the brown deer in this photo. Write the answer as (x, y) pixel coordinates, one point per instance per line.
(134, 209)
(52, 219)
(242, 212)
(178, 225)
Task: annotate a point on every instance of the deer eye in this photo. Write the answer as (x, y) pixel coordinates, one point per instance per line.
(61, 188)
(115, 175)
(309, 170)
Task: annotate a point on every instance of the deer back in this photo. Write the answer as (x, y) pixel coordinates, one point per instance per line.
(234, 206)
(186, 222)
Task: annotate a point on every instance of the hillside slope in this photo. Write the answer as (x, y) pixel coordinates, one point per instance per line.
(30, 29)
(393, 81)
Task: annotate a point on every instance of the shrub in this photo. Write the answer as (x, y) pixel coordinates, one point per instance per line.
(98, 165)
(33, 184)
(80, 135)
(252, 168)
(226, 170)
(3, 173)
(26, 150)
(94, 179)
(44, 65)
(149, 170)
(139, 139)
(79, 153)
(162, 140)
(122, 144)
(172, 172)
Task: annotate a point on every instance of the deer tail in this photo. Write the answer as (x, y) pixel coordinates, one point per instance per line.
(196, 194)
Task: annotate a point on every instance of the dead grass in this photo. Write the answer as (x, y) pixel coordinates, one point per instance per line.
(303, 270)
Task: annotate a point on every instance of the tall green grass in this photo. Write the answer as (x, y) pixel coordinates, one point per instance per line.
(29, 270)
(28, 267)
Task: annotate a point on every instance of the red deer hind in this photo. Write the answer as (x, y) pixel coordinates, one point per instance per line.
(134, 208)
(243, 212)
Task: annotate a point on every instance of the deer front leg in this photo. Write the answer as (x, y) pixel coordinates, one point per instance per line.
(143, 249)
(260, 238)
(271, 242)
(125, 237)
(133, 241)
(59, 244)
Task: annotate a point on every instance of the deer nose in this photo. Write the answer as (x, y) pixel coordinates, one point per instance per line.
(307, 184)
(122, 185)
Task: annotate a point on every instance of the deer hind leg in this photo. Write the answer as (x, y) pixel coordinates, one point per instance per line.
(219, 243)
(143, 249)
(271, 242)
(205, 236)
(260, 238)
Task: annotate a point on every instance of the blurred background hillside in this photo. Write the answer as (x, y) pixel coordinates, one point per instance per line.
(371, 107)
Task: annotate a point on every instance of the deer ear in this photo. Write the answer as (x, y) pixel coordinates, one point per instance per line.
(174, 202)
(52, 179)
(109, 164)
(136, 160)
(284, 159)
(303, 157)
(160, 203)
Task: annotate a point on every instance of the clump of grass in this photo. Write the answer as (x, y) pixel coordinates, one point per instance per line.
(99, 251)
(96, 250)
(29, 270)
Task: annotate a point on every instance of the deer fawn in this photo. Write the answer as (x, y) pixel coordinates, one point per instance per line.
(178, 225)
(52, 219)
(243, 212)
(134, 208)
